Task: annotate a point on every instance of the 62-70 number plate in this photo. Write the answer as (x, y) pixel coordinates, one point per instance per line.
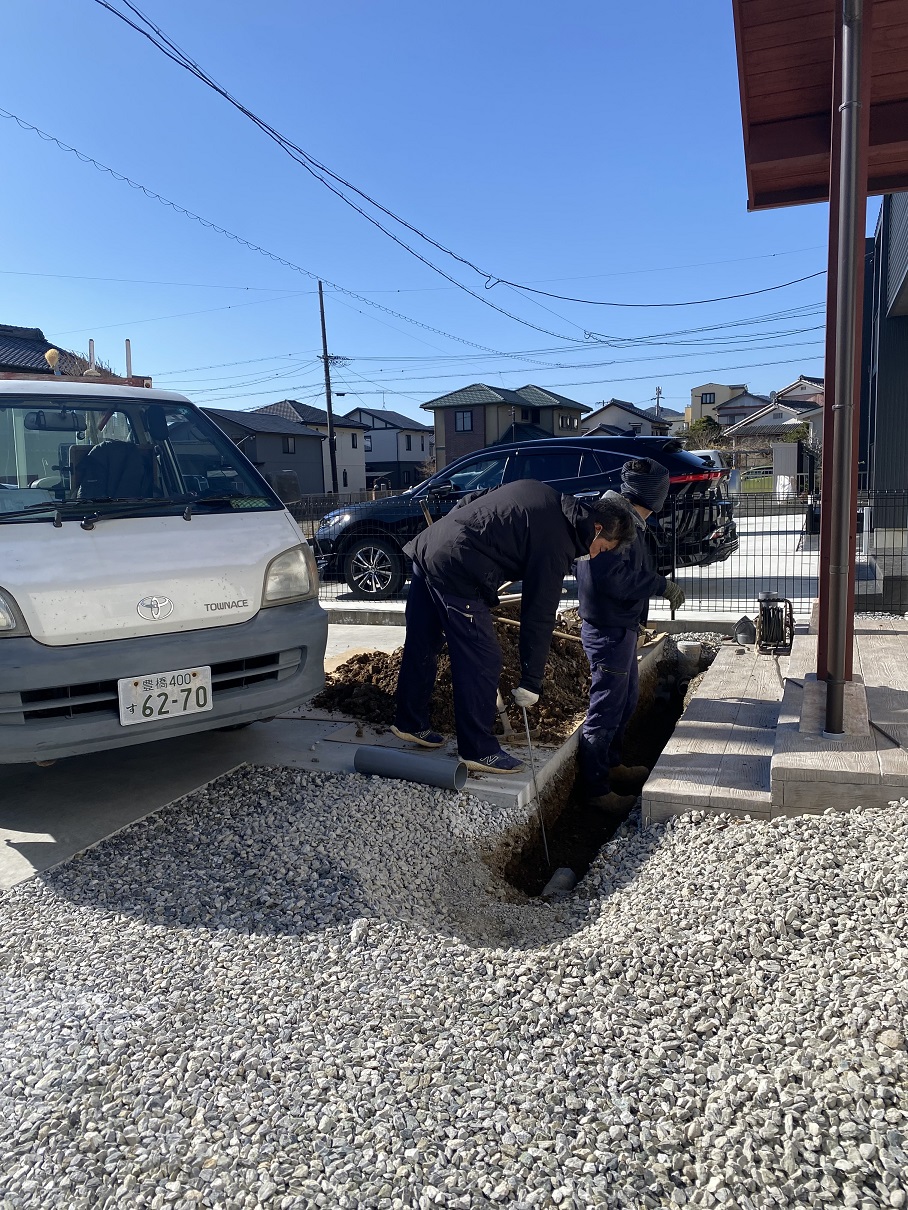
(158, 695)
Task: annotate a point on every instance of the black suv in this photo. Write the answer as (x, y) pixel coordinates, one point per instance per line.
(363, 543)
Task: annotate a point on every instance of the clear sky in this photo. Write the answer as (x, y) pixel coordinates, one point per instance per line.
(586, 148)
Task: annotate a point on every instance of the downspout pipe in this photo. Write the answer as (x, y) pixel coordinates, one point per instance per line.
(410, 766)
(849, 264)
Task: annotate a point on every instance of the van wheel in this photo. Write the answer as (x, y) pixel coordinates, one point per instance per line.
(373, 569)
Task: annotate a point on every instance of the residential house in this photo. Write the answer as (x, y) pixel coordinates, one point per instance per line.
(676, 421)
(804, 389)
(776, 421)
(283, 450)
(348, 441)
(395, 447)
(23, 349)
(476, 416)
(631, 420)
(22, 355)
(885, 360)
(706, 398)
(739, 407)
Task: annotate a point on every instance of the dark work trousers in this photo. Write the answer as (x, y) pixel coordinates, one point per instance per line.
(432, 618)
(612, 653)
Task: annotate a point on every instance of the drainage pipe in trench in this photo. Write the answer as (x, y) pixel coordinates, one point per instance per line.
(410, 766)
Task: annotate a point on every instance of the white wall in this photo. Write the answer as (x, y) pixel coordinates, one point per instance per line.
(348, 459)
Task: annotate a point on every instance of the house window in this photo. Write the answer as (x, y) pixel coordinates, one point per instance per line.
(422, 444)
(409, 441)
(708, 397)
(635, 428)
(405, 477)
(463, 422)
(367, 442)
(778, 415)
(353, 441)
(288, 445)
(346, 481)
(568, 422)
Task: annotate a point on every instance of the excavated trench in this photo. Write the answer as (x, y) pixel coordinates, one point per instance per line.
(364, 688)
(576, 832)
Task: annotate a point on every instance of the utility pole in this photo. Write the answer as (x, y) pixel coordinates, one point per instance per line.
(658, 403)
(332, 451)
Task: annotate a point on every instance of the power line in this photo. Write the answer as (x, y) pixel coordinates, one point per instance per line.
(156, 36)
(238, 239)
(695, 302)
(179, 315)
(139, 281)
(315, 168)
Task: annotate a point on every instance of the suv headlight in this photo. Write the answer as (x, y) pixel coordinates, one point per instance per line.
(11, 620)
(291, 576)
(332, 520)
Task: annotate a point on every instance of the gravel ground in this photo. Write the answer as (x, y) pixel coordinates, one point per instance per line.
(297, 990)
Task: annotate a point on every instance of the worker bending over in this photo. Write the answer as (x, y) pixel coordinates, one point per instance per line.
(614, 593)
(524, 531)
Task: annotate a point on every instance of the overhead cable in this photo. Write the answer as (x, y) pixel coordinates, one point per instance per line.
(144, 26)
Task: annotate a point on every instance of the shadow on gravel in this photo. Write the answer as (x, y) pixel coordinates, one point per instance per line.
(250, 854)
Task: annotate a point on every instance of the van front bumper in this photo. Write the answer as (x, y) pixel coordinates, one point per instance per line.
(62, 701)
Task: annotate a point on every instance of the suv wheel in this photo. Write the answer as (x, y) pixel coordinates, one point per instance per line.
(373, 569)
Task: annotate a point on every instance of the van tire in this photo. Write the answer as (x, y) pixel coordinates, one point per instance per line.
(373, 569)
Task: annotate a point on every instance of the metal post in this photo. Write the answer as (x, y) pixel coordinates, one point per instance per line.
(849, 264)
(332, 449)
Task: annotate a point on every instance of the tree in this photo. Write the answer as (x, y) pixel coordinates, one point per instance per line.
(800, 432)
(703, 434)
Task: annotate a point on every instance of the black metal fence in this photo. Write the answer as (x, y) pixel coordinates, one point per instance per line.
(723, 559)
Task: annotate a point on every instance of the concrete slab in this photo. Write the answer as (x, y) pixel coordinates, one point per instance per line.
(740, 748)
(345, 640)
(719, 758)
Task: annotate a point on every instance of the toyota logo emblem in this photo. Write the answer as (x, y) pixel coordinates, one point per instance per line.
(155, 609)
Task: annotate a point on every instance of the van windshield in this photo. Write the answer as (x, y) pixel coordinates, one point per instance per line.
(112, 454)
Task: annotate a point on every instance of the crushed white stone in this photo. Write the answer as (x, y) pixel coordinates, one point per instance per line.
(294, 990)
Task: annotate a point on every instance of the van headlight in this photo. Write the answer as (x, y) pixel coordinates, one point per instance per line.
(291, 576)
(11, 620)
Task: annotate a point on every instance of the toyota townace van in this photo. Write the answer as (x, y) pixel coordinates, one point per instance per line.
(151, 582)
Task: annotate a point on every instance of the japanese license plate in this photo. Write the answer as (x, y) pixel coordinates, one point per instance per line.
(157, 695)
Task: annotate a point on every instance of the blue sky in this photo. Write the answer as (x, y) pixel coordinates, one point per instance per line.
(588, 149)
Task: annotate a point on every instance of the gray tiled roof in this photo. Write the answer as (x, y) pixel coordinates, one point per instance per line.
(542, 397)
(24, 349)
(395, 419)
(292, 409)
(664, 413)
(625, 407)
(478, 395)
(256, 423)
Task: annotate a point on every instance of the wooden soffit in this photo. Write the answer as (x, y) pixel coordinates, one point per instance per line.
(785, 72)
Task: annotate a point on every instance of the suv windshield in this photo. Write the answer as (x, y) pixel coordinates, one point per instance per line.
(119, 454)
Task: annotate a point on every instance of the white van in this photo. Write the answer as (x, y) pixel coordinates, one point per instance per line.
(151, 582)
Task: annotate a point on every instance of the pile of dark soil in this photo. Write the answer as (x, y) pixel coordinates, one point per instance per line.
(364, 688)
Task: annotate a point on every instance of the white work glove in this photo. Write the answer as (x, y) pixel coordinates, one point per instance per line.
(524, 697)
(674, 594)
